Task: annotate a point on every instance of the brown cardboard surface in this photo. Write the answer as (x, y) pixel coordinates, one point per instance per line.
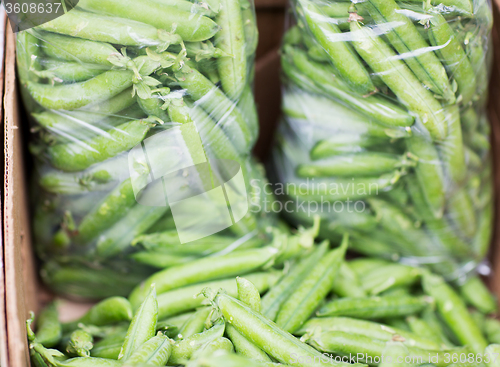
(20, 280)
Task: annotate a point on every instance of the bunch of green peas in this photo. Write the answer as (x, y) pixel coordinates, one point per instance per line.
(384, 130)
(309, 309)
(106, 77)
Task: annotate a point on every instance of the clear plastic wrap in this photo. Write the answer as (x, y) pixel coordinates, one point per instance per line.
(385, 132)
(143, 121)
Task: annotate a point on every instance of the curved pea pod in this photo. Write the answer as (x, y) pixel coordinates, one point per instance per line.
(27, 53)
(231, 40)
(184, 350)
(103, 28)
(344, 143)
(369, 329)
(190, 27)
(370, 349)
(195, 324)
(452, 148)
(205, 269)
(250, 29)
(388, 277)
(49, 330)
(406, 39)
(454, 312)
(109, 311)
(218, 105)
(347, 283)
(80, 343)
(400, 79)
(143, 326)
(311, 291)
(248, 293)
(281, 291)
(324, 79)
(73, 96)
(429, 173)
(341, 54)
(245, 347)
(276, 342)
(453, 56)
(218, 346)
(111, 106)
(154, 352)
(188, 298)
(475, 293)
(81, 155)
(75, 49)
(353, 165)
(153, 107)
(460, 210)
(374, 307)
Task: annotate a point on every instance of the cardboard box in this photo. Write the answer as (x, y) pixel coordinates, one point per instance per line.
(23, 291)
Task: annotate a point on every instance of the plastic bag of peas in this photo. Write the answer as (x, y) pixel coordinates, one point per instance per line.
(384, 130)
(142, 124)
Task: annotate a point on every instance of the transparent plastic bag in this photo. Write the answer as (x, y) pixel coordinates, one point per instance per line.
(143, 121)
(385, 132)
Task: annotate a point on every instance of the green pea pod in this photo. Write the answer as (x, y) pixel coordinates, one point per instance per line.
(103, 28)
(341, 54)
(369, 329)
(347, 283)
(184, 350)
(143, 326)
(492, 330)
(323, 78)
(482, 239)
(111, 106)
(160, 260)
(460, 210)
(153, 107)
(109, 311)
(453, 56)
(136, 221)
(421, 327)
(279, 293)
(199, 7)
(195, 324)
(399, 78)
(394, 350)
(452, 148)
(69, 72)
(204, 270)
(74, 49)
(406, 39)
(49, 330)
(311, 291)
(245, 347)
(276, 342)
(362, 265)
(462, 6)
(475, 293)
(429, 173)
(248, 293)
(231, 40)
(374, 307)
(188, 298)
(250, 30)
(218, 105)
(89, 362)
(233, 360)
(454, 312)
(80, 343)
(353, 165)
(351, 344)
(190, 27)
(154, 352)
(73, 96)
(344, 143)
(215, 347)
(395, 275)
(491, 353)
(109, 347)
(81, 155)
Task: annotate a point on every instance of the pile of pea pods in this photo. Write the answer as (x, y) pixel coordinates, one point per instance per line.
(384, 130)
(278, 306)
(136, 105)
